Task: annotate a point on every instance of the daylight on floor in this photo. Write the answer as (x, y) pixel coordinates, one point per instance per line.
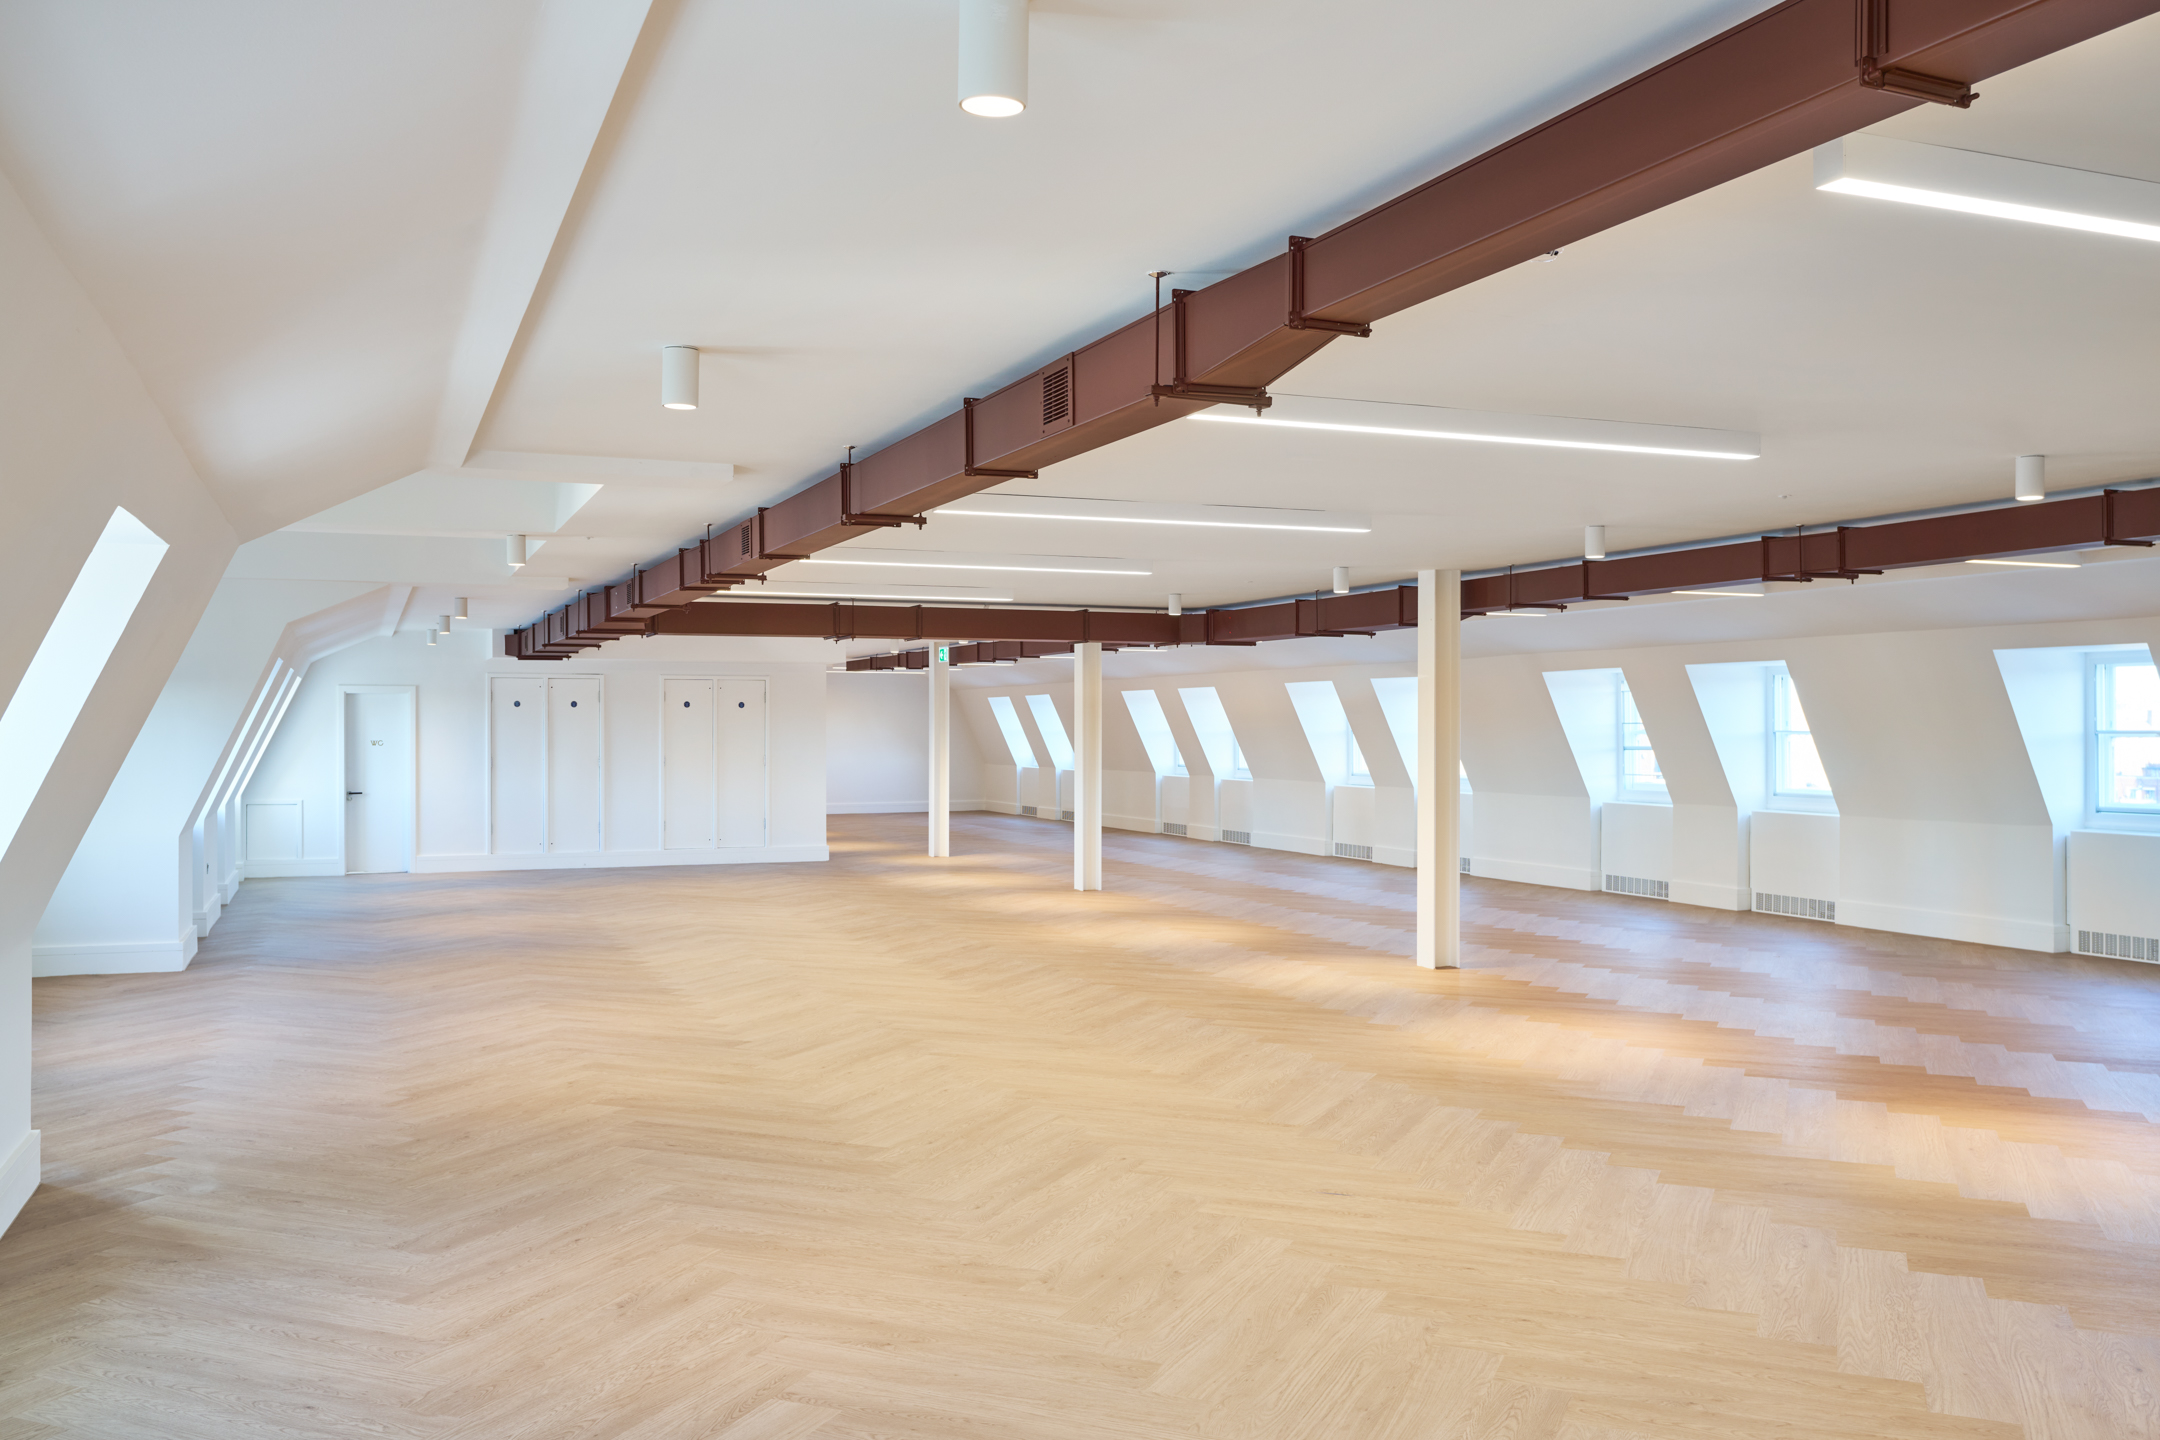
(1023, 720)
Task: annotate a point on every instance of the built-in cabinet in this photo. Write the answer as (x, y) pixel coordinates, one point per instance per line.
(713, 756)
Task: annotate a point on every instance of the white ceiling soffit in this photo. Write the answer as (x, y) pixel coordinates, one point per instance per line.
(1141, 513)
(577, 59)
(607, 469)
(435, 503)
(1996, 186)
(1436, 422)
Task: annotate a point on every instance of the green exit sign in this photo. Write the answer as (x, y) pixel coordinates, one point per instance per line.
(944, 654)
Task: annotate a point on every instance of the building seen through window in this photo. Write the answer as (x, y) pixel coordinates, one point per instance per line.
(2126, 737)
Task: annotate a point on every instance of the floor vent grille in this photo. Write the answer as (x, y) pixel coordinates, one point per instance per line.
(1238, 837)
(1173, 827)
(1798, 905)
(1636, 885)
(1029, 810)
(1065, 815)
(2118, 947)
(1353, 852)
(1466, 864)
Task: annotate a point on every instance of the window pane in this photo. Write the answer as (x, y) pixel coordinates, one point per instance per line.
(1799, 767)
(1639, 770)
(2130, 697)
(2130, 771)
(1357, 760)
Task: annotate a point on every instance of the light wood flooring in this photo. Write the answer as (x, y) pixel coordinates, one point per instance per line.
(941, 1150)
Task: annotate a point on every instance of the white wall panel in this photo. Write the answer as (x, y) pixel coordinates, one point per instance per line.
(2115, 883)
(687, 780)
(1635, 841)
(573, 764)
(517, 764)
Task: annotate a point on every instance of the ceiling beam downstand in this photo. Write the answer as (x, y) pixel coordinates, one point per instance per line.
(1841, 552)
(1797, 75)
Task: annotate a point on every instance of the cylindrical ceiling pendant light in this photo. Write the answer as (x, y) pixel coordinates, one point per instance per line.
(445, 626)
(461, 614)
(517, 551)
(1177, 603)
(993, 57)
(678, 376)
(431, 637)
(2032, 477)
(1593, 542)
(1342, 579)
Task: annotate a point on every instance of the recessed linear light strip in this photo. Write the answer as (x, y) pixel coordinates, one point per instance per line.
(761, 594)
(1975, 183)
(955, 565)
(1434, 422)
(971, 507)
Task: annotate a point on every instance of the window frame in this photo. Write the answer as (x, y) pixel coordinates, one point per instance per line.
(1780, 686)
(2096, 737)
(1624, 701)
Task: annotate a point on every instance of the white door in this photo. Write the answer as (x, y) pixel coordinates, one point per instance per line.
(686, 765)
(573, 764)
(517, 765)
(378, 781)
(739, 725)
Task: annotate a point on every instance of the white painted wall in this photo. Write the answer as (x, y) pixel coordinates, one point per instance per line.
(78, 437)
(303, 763)
(877, 742)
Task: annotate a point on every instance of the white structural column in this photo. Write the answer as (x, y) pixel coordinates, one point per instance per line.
(940, 766)
(1087, 767)
(1439, 765)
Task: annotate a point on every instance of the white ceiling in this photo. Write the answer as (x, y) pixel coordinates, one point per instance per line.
(329, 234)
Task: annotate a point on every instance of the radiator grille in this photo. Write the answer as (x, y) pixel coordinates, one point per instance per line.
(1057, 395)
(1238, 837)
(1466, 864)
(1028, 810)
(746, 539)
(1173, 827)
(1636, 885)
(1065, 815)
(1798, 905)
(1353, 852)
(2118, 947)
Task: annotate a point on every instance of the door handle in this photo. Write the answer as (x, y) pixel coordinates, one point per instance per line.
(350, 793)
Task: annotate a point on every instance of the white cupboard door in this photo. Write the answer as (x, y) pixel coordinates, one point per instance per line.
(517, 765)
(687, 793)
(573, 764)
(740, 728)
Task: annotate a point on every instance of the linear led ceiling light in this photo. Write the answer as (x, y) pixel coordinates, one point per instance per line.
(972, 565)
(1722, 594)
(2031, 484)
(993, 57)
(678, 376)
(761, 594)
(1133, 512)
(1435, 422)
(2032, 564)
(1996, 185)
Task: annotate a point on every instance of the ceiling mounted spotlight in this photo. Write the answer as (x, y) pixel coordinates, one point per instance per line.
(678, 376)
(445, 625)
(431, 637)
(517, 551)
(1177, 603)
(460, 613)
(1342, 579)
(2031, 477)
(1593, 542)
(993, 57)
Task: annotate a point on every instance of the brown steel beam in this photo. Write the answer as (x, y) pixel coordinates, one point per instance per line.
(1773, 86)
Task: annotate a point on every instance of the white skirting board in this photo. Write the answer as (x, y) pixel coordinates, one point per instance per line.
(138, 957)
(18, 1178)
(618, 859)
(1952, 925)
(1564, 877)
(908, 807)
(286, 869)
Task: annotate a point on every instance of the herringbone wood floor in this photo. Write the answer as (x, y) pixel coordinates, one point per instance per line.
(908, 1148)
